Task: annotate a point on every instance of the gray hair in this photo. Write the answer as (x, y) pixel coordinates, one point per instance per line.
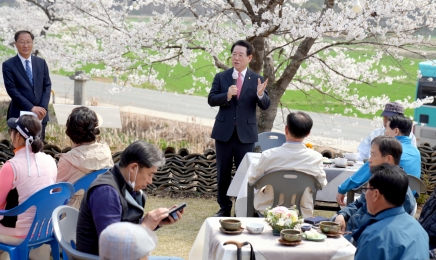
(142, 153)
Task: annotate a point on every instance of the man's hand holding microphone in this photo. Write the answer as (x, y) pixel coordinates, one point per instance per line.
(233, 90)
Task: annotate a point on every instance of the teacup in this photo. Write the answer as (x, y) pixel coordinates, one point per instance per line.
(330, 227)
(351, 156)
(291, 235)
(341, 162)
(230, 224)
(254, 228)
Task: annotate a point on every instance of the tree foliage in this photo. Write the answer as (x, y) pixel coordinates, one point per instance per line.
(299, 44)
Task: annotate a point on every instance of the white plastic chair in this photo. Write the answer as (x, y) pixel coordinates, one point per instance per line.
(414, 210)
(64, 224)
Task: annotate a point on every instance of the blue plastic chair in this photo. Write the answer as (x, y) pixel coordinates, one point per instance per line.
(41, 230)
(268, 140)
(84, 182)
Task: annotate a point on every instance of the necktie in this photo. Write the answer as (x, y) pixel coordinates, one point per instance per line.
(239, 83)
(29, 72)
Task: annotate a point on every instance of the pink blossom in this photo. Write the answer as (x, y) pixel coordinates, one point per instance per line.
(280, 210)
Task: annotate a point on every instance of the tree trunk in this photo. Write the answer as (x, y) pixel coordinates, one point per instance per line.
(256, 63)
(278, 88)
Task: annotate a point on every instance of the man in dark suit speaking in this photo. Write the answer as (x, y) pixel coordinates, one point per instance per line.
(235, 128)
(27, 81)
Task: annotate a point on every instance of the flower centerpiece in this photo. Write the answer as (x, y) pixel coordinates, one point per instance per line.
(282, 218)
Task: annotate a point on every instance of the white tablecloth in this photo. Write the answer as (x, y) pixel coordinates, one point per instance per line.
(238, 187)
(209, 245)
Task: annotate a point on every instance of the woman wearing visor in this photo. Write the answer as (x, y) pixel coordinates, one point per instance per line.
(27, 172)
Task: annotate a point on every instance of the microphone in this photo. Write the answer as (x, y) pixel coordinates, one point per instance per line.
(235, 77)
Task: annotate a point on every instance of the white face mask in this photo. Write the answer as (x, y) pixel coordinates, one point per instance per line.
(132, 184)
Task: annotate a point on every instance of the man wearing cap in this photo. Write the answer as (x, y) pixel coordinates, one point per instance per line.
(410, 161)
(391, 109)
(128, 241)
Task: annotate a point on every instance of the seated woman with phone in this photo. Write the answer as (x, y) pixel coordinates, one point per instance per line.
(116, 196)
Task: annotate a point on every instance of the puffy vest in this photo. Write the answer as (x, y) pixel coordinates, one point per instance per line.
(86, 235)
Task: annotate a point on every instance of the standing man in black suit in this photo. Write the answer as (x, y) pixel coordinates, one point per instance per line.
(27, 81)
(235, 128)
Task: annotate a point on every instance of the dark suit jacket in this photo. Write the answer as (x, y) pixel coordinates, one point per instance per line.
(241, 111)
(24, 96)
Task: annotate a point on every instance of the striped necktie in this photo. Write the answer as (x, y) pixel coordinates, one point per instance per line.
(29, 72)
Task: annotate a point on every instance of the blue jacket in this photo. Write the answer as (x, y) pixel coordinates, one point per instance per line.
(355, 212)
(392, 234)
(410, 161)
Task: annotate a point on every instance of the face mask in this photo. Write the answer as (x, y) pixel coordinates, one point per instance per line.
(132, 184)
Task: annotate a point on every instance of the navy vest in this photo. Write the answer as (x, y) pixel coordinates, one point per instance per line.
(86, 233)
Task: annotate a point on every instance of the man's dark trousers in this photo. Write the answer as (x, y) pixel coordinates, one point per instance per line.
(224, 162)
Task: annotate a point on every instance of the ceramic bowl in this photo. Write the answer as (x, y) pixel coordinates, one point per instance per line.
(305, 227)
(330, 227)
(341, 162)
(351, 156)
(254, 228)
(230, 224)
(291, 235)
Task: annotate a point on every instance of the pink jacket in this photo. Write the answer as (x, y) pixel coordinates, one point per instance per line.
(80, 161)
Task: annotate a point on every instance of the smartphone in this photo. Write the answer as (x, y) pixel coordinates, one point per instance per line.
(173, 211)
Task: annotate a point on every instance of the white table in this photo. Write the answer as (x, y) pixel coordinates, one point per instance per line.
(238, 187)
(209, 245)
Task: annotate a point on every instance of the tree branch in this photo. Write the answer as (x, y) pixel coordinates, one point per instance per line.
(341, 74)
(220, 64)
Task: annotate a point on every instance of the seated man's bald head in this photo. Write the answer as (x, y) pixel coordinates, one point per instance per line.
(299, 124)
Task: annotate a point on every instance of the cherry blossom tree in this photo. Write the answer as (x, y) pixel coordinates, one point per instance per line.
(297, 48)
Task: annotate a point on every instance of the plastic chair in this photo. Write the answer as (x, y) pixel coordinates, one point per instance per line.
(290, 183)
(414, 210)
(84, 182)
(268, 140)
(64, 225)
(416, 184)
(41, 231)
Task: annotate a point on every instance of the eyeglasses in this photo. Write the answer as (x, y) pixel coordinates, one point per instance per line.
(234, 55)
(25, 43)
(364, 190)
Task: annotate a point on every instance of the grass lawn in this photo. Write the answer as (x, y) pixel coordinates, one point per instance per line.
(399, 90)
(179, 78)
(177, 239)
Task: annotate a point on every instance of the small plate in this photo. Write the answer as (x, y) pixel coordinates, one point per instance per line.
(231, 232)
(287, 243)
(340, 166)
(320, 237)
(327, 162)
